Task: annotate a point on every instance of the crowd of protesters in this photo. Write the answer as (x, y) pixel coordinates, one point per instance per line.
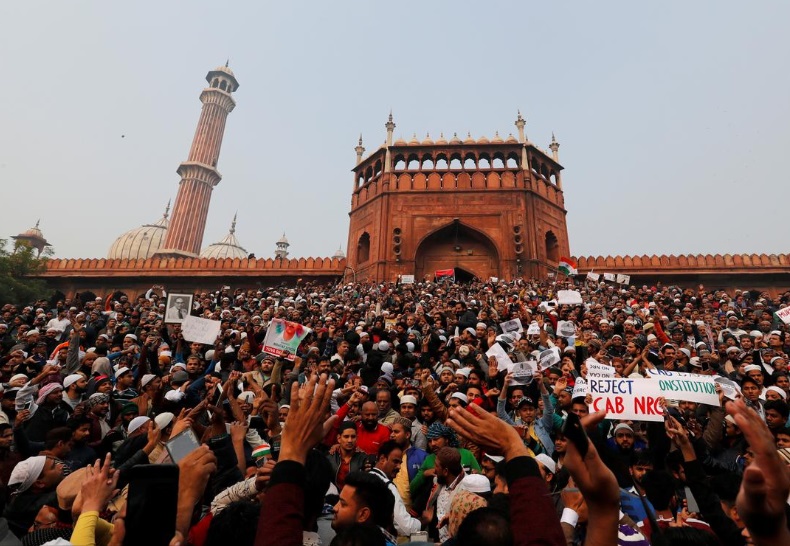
(390, 424)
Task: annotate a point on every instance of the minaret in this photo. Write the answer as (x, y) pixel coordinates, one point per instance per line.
(522, 138)
(360, 149)
(199, 172)
(282, 248)
(555, 148)
(520, 124)
(390, 125)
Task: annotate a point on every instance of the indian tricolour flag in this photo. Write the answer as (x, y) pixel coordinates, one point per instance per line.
(568, 267)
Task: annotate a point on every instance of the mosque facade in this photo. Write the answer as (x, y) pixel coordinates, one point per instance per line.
(475, 207)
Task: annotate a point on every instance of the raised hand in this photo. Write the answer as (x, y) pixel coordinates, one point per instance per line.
(766, 481)
(305, 423)
(487, 430)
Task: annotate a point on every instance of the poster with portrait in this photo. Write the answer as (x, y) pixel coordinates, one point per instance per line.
(177, 308)
(284, 335)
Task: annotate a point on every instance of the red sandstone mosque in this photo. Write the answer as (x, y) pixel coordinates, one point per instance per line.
(482, 207)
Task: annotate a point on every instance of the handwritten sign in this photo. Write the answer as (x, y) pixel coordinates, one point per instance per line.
(579, 388)
(511, 326)
(635, 399)
(687, 386)
(569, 297)
(596, 370)
(549, 358)
(784, 314)
(407, 279)
(502, 360)
(594, 277)
(566, 328)
(623, 279)
(200, 330)
(284, 335)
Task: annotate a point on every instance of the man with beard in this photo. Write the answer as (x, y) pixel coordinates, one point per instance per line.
(364, 500)
(99, 404)
(449, 473)
(46, 412)
(150, 394)
(75, 385)
(388, 465)
(33, 483)
(370, 433)
(408, 409)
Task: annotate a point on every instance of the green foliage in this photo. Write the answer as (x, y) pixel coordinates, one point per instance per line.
(16, 269)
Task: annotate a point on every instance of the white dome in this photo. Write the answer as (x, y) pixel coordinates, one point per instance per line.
(140, 243)
(228, 247)
(339, 254)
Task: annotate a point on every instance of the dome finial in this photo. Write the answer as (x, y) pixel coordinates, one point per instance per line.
(38, 222)
(233, 223)
(167, 210)
(227, 62)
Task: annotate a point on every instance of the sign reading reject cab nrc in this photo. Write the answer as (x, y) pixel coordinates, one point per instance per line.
(636, 399)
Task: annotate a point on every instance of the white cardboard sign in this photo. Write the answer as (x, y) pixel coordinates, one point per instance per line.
(569, 297)
(566, 328)
(636, 399)
(784, 314)
(513, 325)
(595, 277)
(523, 373)
(623, 279)
(549, 358)
(200, 330)
(686, 386)
(579, 388)
(596, 370)
(502, 360)
(533, 329)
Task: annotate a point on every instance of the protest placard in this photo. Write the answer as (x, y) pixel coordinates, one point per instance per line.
(569, 297)
(407, 279)
(690, 387)
(522, 373)
(730, 388)
(595, 277)
(566, 328)
(531, 364)
(636, 399)
(502, 360)
(623, 279)
(284, 335)
(579, 388)
(549, 358)
(596, 370)
(200, 330)
(533, 329)
(784, 314)
(389, 324)
(609, 277)
(513, 325)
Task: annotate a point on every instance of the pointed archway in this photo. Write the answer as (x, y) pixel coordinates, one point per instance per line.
(457, 246)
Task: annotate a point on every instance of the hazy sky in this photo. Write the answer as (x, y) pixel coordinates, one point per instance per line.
(673, 117)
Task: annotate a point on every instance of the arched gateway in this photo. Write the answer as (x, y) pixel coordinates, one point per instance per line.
(457, 246)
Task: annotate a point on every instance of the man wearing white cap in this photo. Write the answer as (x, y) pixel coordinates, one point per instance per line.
(32, 484)
(124, 379)
(75, 386)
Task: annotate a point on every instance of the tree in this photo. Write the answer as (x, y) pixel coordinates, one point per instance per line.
(17, 272)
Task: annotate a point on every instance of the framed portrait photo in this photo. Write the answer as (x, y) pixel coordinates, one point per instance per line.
(177, 308)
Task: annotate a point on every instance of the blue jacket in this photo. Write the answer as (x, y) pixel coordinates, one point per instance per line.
(414, 459)
(543, 425)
